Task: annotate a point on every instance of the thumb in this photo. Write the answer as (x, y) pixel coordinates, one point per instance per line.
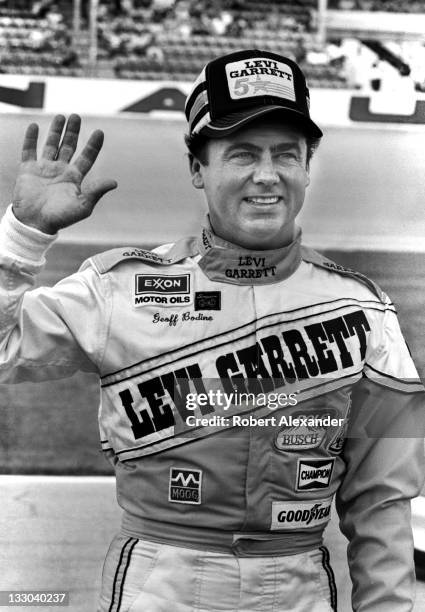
(97, 189)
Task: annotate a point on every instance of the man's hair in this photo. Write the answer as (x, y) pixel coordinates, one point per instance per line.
(198, 148)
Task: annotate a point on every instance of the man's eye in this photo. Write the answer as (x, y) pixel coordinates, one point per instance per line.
(285, 155)
(243, 155)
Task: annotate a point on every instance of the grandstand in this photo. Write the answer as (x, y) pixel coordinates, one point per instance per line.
(173, 39)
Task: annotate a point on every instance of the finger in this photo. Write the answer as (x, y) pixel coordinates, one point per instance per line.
(29, 148)
(90, 152)
(98, 188)
(95, 191)
(50, 149)
(70, 138)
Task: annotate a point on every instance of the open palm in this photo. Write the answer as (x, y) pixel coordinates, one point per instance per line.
(48, 193)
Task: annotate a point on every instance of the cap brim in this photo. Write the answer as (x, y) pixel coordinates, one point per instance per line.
(219, 128)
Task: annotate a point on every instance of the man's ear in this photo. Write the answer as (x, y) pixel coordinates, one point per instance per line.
(196, 172)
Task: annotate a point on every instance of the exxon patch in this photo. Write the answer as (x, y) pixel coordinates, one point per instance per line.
(260, 76)
(162, 283)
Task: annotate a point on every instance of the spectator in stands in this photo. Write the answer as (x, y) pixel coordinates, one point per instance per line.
(70, 58)
(139, 42)
(220, 22)
(237, 27)
(37, 39)
(154, 52)
(124, 6)
(41, 8)
(201, 25)
(272, 22)
(54, 16)
(110, 41)
(161, 8)
(180, 20)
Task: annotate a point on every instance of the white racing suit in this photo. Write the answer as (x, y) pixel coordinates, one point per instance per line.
(240, 391)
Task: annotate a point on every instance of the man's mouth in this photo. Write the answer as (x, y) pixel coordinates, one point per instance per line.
(271, 199)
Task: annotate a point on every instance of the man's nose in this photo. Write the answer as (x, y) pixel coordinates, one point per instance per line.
(265, 171)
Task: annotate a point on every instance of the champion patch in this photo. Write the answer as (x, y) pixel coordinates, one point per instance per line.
(290, 516)
(162, 289)
(260, 76)
(208, 300)
(185, 486)
(314, 474)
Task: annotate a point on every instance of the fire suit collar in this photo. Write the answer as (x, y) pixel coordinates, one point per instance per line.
(230, 263)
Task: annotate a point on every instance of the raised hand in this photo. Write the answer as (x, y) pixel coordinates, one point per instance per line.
(48, 194)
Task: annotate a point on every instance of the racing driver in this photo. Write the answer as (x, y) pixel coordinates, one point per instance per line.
(245, 378)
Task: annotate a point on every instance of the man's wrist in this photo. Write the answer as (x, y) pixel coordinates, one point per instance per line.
(22, 241)
(23, 215)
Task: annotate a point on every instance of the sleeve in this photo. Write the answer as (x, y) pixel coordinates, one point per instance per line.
(384, 456)
(46, 333)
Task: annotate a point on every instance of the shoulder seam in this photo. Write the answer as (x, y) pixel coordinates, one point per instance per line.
(317, 259)
(106, 261)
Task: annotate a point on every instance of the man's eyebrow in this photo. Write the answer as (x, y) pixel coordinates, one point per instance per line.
(285, 146)
(281, 146)
(241, 145)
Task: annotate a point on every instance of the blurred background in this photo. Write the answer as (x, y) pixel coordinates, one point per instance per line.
(126, 67)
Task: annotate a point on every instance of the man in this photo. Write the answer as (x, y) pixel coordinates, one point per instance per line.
(231, 364)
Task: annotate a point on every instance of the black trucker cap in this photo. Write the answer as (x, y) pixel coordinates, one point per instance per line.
(234, 89)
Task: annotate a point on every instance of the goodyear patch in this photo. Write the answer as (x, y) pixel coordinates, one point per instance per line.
(293, 515)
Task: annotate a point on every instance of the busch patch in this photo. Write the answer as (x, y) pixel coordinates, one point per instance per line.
(162, 289)
(314, 474)
(293, 515)
(185, 486)
(303, 437)
(260, 76)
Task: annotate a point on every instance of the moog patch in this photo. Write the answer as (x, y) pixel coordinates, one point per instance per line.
(185, 486)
